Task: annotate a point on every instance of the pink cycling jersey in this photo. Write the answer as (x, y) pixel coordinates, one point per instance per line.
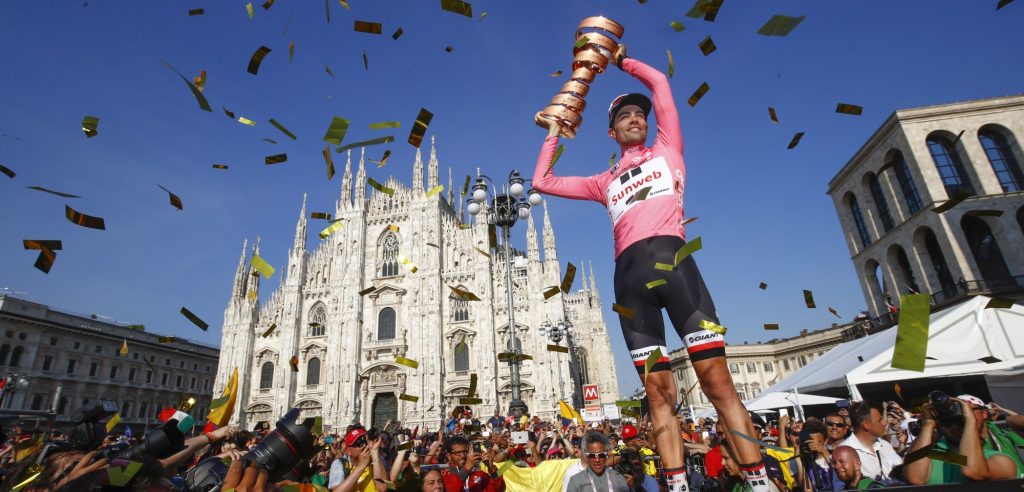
(643, 192)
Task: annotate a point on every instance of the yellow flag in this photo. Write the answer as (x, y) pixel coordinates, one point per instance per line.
(222, 408)
(113, 422)
(262, 266)
(569, 412)
(27, 448)
(124, 348)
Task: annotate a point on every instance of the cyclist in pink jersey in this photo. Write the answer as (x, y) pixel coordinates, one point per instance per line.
(643, 193)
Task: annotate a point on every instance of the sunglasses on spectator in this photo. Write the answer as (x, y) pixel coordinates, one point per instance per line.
(359, 442)
(597, 455)
(836, 424)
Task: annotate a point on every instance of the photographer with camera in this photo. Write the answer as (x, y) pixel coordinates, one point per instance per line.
(362, 468)
(814, 463)
(963, 430)
(868, 439)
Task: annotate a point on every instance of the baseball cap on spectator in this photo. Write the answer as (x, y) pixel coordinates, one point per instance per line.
(353, 435)
(478, 481)
(973, 400)
(628, 431)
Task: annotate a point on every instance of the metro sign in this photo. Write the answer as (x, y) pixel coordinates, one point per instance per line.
(590, 392)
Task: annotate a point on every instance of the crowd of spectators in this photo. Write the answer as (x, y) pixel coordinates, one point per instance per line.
(863, 445)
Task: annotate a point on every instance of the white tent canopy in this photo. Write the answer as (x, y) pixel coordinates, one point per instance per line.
(958, 337)
(774, 400)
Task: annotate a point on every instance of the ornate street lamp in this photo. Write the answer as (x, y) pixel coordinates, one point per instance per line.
(504, 208)
(555, 333)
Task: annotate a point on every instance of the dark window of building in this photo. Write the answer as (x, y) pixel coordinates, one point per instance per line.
(768, 367)
(880, 203)
(163, 379)
(906, 181)
(78, 345)
(803, 361)
(461, 357)
(906, 271)
(113, 372)
(62, 405)
(16, 356)
(126, 409)
(93, 368)
(131, 374)
(195, 367)
(167, 362)
(386, 324)
(181, 365)
(206, 384)
(985, 249)
(178, 384)
(192, 383)
(938, 261)
(267, 375)
(71, 366)
(734, 368)
(751, 368)
(5, 350)
(1004, 164)
(389, 255)
(858, 220)
(950, 167)
(47, 362)
(53, 341)
(98, 349)
(313, 372)
(37, 402)
(149, 376)
(143, 408)
(785, 364)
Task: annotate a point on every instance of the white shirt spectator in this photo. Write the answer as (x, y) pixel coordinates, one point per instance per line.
(875, 463)
(575, 468)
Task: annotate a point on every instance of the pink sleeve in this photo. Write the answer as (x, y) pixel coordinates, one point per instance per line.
(574, 187)
(669, 133)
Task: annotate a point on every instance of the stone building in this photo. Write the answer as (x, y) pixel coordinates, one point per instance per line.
(80, 354)
(755, 367)
(378, 288)
(920, 159)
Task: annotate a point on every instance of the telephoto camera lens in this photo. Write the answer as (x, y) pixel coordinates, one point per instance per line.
(946, 411)
(158, 443)
(281, 450)
(207, 476)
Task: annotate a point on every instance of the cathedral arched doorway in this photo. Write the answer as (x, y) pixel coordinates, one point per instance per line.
(385, 407)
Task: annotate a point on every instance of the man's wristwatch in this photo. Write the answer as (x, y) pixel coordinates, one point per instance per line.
(618, 61)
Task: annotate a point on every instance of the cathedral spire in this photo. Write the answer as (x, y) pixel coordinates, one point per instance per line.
(238, 289)
(252, 291)
(346, 185)
(417, 171)
(361, 180)
(583, 276)
(593, 285)
(432, 165)
(550, 253)
(300, 229)
(451, 192)
(532, 248)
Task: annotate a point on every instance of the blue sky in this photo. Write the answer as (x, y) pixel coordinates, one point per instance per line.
(764, 215)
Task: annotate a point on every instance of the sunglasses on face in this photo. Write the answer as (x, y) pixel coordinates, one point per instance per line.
(597, 455)
(836, 424)
(359, 442)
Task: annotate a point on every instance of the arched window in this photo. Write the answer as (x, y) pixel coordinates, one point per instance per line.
(386, 324)
(950, 167)
(1004, 164)
(267, 375)
(908, 273)
(317, 321)
(858, 220)
(37, 402)
(880, 204)
(461, 358)
(906, 181)
(459, 307)
(4, 351)
(984, 248)
(16, 356)
(389, 255)
(938, 261)
(313, 372)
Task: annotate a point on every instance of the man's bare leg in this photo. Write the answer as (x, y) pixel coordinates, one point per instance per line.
(661, 396)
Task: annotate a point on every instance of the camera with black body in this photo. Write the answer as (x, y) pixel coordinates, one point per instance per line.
(159, 443)
(86, 435)
(804, 437)
(947, 411)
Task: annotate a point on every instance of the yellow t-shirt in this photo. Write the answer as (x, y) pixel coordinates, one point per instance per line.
(365, 483)
(782, 456)
(649, 467)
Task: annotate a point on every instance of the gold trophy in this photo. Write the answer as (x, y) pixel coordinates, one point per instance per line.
(595, 43)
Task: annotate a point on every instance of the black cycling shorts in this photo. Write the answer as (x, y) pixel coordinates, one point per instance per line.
(685, 297)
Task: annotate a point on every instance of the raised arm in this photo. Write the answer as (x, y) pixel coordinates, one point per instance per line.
(544, 179)
(665, 110)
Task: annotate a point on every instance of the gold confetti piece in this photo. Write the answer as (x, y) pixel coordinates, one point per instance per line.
(628, 403)
(220, 166)
(990, 359)
(759, 442)
(435, 190)
(772, 115)
(407, 362)
(558, 153)
(379, 187)
(90, 126)
(397, 34)
(796, 140)
(672, 68)
(47, 255)
(809, 299)
(555, 74)
(698, 94)
(246, 121)
(385, 124)
(567, 279)
(478, 250)
(952, 202)
(257, 59)
(707, 46)
(611, 161)
(470, 401)
(268, 4)
(849, 109)
(320, 215)
(677, 26)
(251, 295)
(192, 12)
(462, 343)
(999, 303)
(987, 213)
(472, 385)
(655, 283)
(84, 220)
(294, 362)
(762, 286)
(651, 361)
(284, 130)
(449, 48)
(458, 7)
(771, 326)
(687, 250)
(175, 201)
(40, 244)
(166, 340)
(912, 333)
(482, 16)
(367, 143)
(1002, 3)
(367, 27)
(899, 391)
(228, 113)
(432, 245)
(688, 220)
(8, 172)
(701, 9)
(393, 228)
(262, 266)
(112, 423)
(834, 312)
(344, 3)
(623, 310)
(384, 159)
(551, 292)
(464, 294)
(336, 131)
(367, 291)
(407, 445)
(710, 326)
(200, 80)
(248, 8)
(194, 319)
(329, 71)
(558, 348)
(331, 229)
(329, 161)
(407, 263)
(291, 51)
(366, 62)
(419, 128)
(780, 25)
(581, 42)
(52, 192)
(275, 159)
